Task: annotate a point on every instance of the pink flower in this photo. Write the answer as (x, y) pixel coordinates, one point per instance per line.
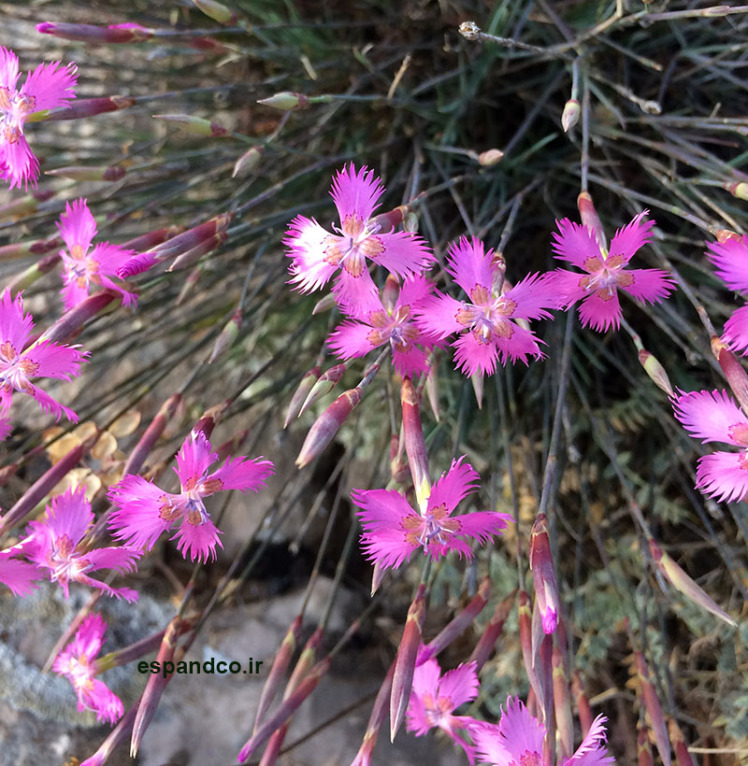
(57, 545)
(517, 740)
(488, 321)
(85, 266)
(78, 662)
(18, 575)
(45, 359)
(393, 530)
(713, 416)
(434, 696)
(145, 511)
(47, 87)
(377, 324)
(317, 255)
(606, 272)
(730, 259)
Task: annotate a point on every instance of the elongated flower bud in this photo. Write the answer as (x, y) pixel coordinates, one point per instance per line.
(680, 580)
(23, 249)
(74, 319)
(376, 719)
(216, 11)
(656, 371)
(301, 393)
(562, 707)
(198, 126)
(286, 101)
(544, 575)
(248, 162)
(325, 427)
(644, 755)
(227, 336)
(526, 643)
(155, 685)
(286, 709)
(591, 219)
(584, 710)
(490, 157)
(459, 623)
(405, 664)
(147, 441)
(653, 708)
(733, 370)
(415, 443)
(152, 238)
(89, 107)
(45, 484)
(82, 173)
(571, 114)
(490, 635)
(191, 257)
(323, 385)
(25, 206)
(116, 738)
(278, 669)
(88, 33)
(682, 756)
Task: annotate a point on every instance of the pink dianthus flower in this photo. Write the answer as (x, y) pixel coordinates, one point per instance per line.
(145, 511)
(374, 324)
(393, 530)
(78, 663)
(57, 545)
(713, 416)
(606, 272)
(434, 696)
(47, 87)
(18, 364)
(85, 265)
(730, 259)
(317, 254)
(517, 740)
(488, 320)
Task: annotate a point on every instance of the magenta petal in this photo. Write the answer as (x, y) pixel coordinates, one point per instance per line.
(243, 474)
(50, 85)
(730, 259)
(519, 345)
(650, 285)
(404, 254)
(18, 575)
(19, 165)
(460, 685)
(54, 360)
(8, 69)
(567, 286)
(352, 291)
(627, 240)
(194, 457)
(138, 519)
(473, 355)
(77, 225)
(198, 541)
(351, 339)
(68, 514)
(723, 476)
(592, 750)
(307, 242)
(356, 193)
(411, 362)
(119, 559)
(437, 315)
(600, 314)
(15, 325)
(574, 243)
(709, 415)
(453, 486)
(736, 330)
(533, 295)
(469, 264)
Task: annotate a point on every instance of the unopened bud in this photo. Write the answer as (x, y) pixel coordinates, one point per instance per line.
(656, 371)
(248, 162)
(217, 11)
(544, 575)
(24, 206)
(324, 384)
(300, 395)
(733, 370)
(327, 425)
(88, 107)
(570, 115)
(286, 101)
(195, 125)
(88, 33)
(590, 218)
(725, 235)
(490, 157)
(739, 189)
(227, 336)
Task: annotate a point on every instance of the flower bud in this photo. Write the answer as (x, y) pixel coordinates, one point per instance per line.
(88, 33)
(82, 173)
(88, 107)
(195, 125)
(327, 425)
(216, 11)
(544, 575)
(570, 115)
(490, 157)
(248, 162)
(739, 189)
(286, 101)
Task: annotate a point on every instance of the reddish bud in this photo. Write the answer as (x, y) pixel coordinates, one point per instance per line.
(22, 249)
(584, 710)
(733, 370)
(415, 443)
(152, 238)
(25, 206)
(137, 457)
(562, 707)
(192, 256)
(89, 107)
(682, 756)
(227, 336)
(74, 319)
(544, 575)
(590, 218)
(88, 33)
(490, 635)
(405, 663)
(300, 395)
(653, 708)
(643, 748)
(327, 425)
